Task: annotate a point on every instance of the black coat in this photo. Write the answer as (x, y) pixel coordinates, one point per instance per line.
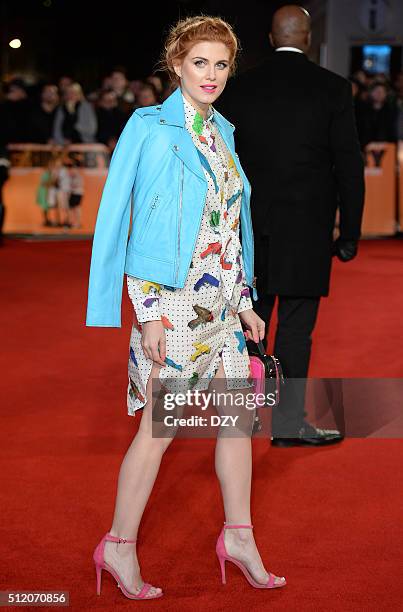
(297, 141)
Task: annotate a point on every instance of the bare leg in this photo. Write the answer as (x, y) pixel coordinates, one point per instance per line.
(63, 206)
(76, 216)
(54, 215)
(233, 464)
(137, 475)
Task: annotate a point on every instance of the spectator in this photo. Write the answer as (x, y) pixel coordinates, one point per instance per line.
(110, 118)
(94, 96)
(75, 119)
(4, 175)
(361, 76)
(43, 115)
(399, 105)
(147, 96)
(135, 86)
(398, 86)
(380, 77)
(363, 82)
(64, 83)
(376, 118)
(157, 82)
(121, 87)
(14, 113)
(356, 88)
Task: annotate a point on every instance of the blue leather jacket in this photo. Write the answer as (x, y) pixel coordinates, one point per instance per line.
(155, 179)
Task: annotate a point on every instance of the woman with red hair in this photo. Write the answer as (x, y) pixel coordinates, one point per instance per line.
(189, 279)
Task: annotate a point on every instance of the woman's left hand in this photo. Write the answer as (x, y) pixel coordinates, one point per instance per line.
(255, 326)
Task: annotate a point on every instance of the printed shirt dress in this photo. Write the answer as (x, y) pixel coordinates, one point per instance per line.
(200, 320)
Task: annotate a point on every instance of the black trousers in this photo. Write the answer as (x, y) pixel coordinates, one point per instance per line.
(296, 321)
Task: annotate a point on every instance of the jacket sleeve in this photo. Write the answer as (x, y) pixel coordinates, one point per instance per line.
(112, 227)
(245, 303)
(348, 166)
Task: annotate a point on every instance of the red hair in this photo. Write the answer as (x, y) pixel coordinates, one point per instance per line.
(187, 32)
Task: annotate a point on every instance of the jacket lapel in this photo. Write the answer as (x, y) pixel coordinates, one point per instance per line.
(172, 113)
(187, 152)
(226, 130)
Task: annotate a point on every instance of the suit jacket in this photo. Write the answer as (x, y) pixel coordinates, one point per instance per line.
(297, 138)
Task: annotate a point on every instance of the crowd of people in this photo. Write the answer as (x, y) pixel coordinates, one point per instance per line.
(61, 113)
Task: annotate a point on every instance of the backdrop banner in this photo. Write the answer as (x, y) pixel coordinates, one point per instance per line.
(380, 183)
(29, 162)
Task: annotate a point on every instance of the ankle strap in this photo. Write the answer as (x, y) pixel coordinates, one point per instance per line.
(112, 538)
(237, 526)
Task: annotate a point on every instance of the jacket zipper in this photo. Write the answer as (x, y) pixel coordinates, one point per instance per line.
(152, 207)
(179, 224)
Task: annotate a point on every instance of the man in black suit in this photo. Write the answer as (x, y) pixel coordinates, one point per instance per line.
(297, 139)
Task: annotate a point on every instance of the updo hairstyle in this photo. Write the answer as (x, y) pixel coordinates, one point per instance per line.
(187, 32)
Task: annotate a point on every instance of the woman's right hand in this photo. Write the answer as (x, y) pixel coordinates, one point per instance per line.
(153, 341)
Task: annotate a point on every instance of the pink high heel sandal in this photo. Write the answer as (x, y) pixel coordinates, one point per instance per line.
(223, 556)
(100, 564)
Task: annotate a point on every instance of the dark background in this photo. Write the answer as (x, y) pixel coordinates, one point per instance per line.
(86, 38)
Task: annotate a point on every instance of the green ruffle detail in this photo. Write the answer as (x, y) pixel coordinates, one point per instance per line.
(198, 123)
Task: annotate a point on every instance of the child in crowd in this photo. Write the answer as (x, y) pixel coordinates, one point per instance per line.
(60, 192)
(46, 195)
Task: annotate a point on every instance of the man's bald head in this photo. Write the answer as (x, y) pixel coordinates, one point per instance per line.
(291, 27)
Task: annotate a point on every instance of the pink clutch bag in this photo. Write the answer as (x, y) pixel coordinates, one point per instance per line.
(267, 376)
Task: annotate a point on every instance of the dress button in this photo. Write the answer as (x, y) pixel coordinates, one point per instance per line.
(162, 120)
(176, 148)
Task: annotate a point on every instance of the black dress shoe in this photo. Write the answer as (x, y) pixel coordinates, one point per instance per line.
(308, 435)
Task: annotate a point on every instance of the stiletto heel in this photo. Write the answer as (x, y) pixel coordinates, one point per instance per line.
(223, 556)
(99, 573)
(100, 564)
(222, 565)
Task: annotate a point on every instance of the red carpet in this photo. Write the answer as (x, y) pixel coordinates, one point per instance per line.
(330, 520)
